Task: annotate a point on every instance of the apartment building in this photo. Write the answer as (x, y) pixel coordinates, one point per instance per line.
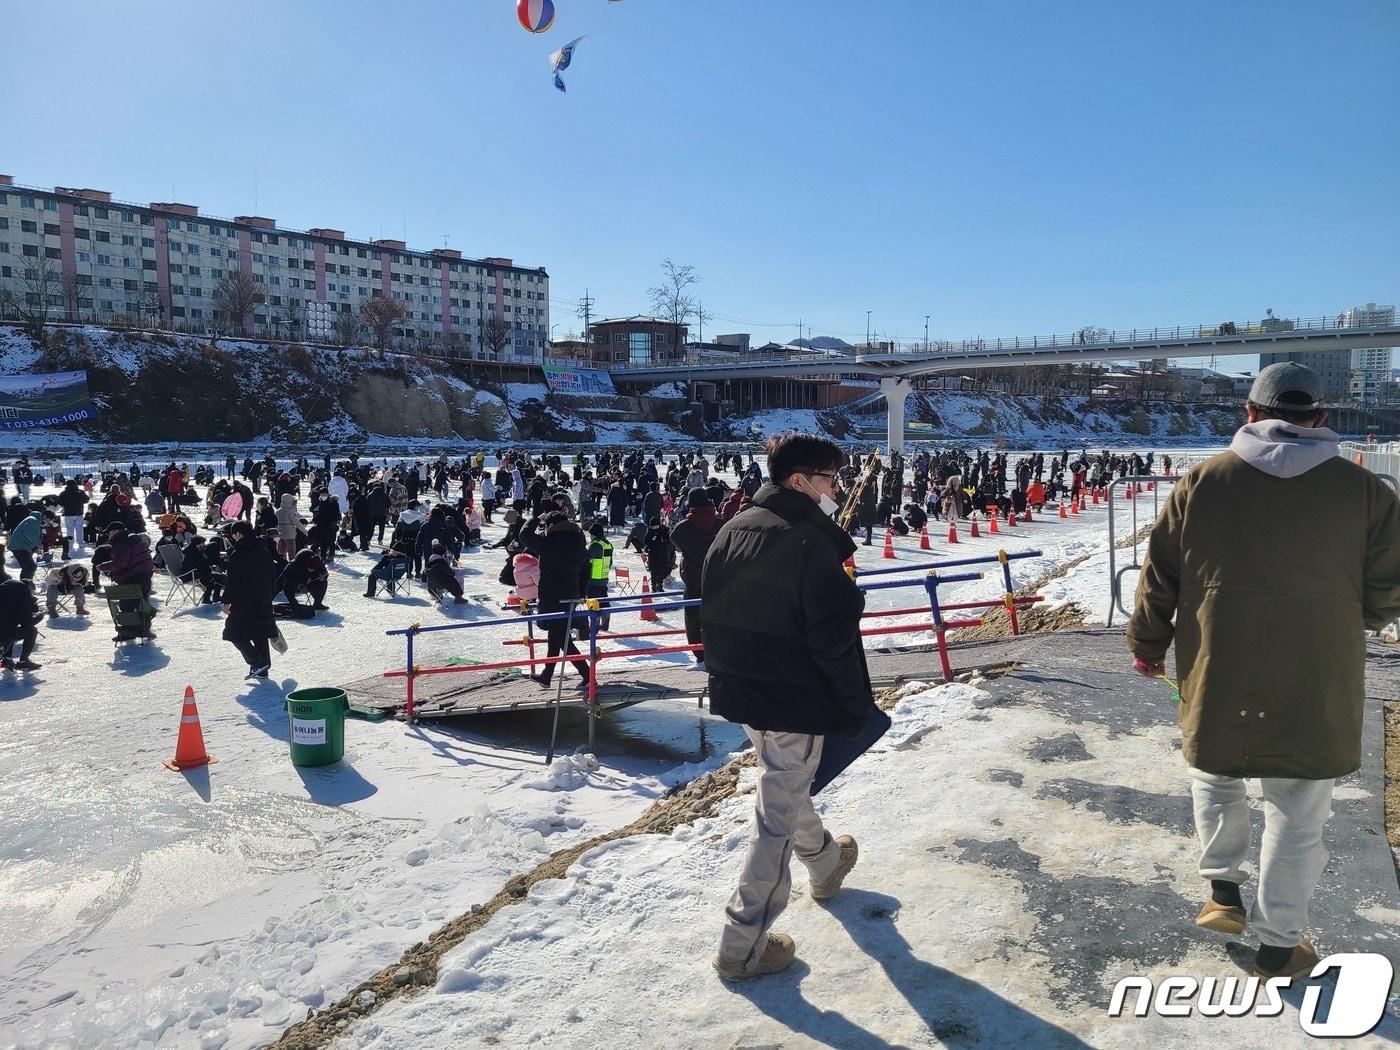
(1373, 363)
(82, 256)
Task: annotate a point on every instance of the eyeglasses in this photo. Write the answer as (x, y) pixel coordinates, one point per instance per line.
(830, 475)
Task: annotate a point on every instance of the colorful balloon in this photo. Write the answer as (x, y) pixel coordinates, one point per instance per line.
(536, 16)
(232, 506)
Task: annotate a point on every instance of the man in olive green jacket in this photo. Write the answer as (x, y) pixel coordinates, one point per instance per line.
(1273, 557)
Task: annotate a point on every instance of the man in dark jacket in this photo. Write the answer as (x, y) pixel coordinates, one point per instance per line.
(561, 551)
(378, 506)
(19, 615)
(693, 537)
(247, 597)
(74, 501)
(782, 641)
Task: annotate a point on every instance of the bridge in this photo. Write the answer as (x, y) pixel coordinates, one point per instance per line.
(1272, 335)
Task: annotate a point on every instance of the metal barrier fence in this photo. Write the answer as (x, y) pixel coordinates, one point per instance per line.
(1382, 460)
(1115, 574)
(592, 611)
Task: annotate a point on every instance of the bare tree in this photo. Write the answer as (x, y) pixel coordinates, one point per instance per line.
(380, 314)
(1091, 334)
(292, 319)
(671, 299)
(235, 296)
(347, 327)
(495, 334)
(39, 281)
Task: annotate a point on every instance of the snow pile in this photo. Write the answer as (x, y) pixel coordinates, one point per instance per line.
(667, 390)
(639, 433)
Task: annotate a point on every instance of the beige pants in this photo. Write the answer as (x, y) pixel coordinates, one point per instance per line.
(784, 823)
(1291, 856)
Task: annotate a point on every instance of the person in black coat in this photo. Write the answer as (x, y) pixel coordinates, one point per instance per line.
(783, 647)
(325, 526)
(693, 537)
(247, 599)
(305, 574)
(562, 553)
(19, 617)
(377, 503)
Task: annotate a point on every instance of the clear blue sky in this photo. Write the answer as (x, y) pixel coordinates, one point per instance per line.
(1008, 167)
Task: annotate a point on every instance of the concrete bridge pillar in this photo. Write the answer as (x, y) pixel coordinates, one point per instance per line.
(895, 389)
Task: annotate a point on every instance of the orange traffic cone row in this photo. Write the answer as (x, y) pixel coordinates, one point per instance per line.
(189, 746)
(992, 518)
(924, 544)
(1011, 518)
(952, 532)
(889, 544)
(972, 527)
(1063, 512)
(1130, 491)
(648, 613)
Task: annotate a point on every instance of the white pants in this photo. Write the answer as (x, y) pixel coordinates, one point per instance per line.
(73, 529)
(784, 822)
(1291, 856)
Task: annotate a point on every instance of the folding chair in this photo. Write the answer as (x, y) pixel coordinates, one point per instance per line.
(182, 583)
(399, 580)
(131, 613)
(622, 580)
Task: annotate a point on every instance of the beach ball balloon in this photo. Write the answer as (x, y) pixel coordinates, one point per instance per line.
(535, 15)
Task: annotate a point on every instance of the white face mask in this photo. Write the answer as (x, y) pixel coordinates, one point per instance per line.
(828, 505)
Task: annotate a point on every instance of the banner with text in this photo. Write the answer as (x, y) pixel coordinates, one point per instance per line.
(47, 399)
(567, 377)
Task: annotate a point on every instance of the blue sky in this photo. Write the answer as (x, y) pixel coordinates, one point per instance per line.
(1007, 167)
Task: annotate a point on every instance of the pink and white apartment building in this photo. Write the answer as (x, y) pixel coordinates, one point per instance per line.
(158, 265)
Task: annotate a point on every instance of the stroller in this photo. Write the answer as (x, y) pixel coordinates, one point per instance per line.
(131, 613)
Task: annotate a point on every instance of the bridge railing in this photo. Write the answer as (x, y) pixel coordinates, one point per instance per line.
(1230, 331)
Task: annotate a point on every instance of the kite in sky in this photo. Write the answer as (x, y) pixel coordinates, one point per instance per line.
(559, 61)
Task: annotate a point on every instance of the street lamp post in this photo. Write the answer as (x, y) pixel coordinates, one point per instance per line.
(926, 317)
(551, 339)
(867, 329)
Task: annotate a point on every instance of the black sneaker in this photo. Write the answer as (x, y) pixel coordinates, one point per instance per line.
(27, 665)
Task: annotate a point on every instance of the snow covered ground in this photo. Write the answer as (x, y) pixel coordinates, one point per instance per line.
(143, 907)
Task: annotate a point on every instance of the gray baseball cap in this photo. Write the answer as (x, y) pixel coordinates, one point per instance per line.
(1287, 385)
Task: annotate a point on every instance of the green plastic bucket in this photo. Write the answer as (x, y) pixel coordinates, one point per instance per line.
(316, 726)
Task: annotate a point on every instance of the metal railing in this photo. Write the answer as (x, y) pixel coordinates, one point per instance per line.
(1382, 460)
(1228, 331)
(1115, 574)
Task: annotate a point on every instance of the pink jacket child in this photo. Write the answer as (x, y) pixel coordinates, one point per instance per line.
(527, 576)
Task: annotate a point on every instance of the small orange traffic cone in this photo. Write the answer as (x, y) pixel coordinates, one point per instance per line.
(1151, 486)
(1095, 494)
(1026, 517)
(648, 613)
(1063, 512)
(992, 518)
(924, 544)
(952, 532)
(972, 527)
(189, 746)
(889, 544)
(1011, 518)
(1130, 491)
(1074, 505)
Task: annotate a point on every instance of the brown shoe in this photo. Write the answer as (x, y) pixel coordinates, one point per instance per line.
(777, 955)
(850, 852)
(1222, 918)
(1301, 962)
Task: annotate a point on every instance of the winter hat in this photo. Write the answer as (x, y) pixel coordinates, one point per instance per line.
(597, 528)
(123, 499)
(698, 497)
(1287, 385)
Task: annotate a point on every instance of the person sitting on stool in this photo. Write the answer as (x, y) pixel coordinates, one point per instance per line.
(19, 617)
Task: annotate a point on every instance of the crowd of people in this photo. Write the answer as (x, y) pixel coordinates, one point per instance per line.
(258, 531)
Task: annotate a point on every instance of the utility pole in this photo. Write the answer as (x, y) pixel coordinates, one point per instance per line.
(585, 308)
(926, 316)
(867, 329)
